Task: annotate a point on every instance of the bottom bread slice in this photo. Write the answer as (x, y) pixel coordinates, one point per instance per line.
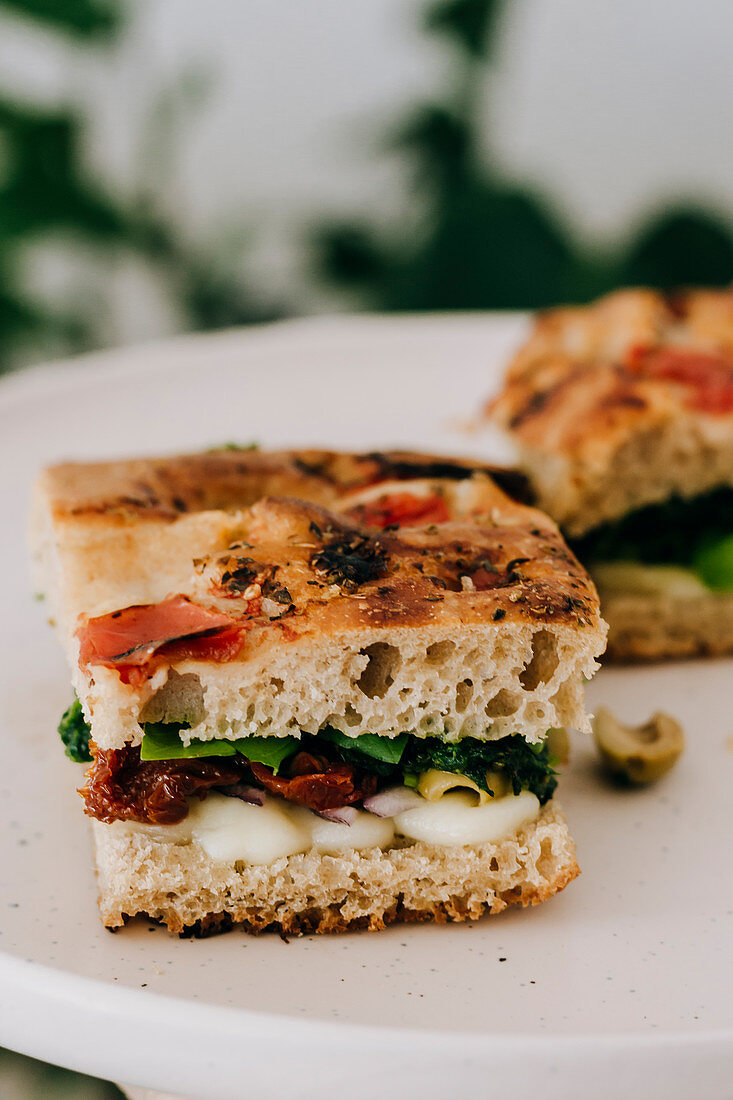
(184, 888)
(654, 627)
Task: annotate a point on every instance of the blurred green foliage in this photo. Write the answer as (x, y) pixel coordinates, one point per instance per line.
(471, 238)
(476, 240)
(46, 190)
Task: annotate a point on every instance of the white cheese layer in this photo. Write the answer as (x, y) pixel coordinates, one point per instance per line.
(232, 831)
(456, 819)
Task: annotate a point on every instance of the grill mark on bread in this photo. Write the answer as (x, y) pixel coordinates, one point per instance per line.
(163, 489)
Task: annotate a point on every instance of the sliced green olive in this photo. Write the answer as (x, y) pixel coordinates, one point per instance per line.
(638, 754)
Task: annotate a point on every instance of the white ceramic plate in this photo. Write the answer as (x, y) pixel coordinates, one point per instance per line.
(621, 986)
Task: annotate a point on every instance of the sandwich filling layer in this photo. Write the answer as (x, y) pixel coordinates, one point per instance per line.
(681, 548)
(274, 797)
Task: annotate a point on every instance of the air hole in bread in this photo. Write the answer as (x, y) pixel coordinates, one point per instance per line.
(277, 683)
(547, 857)
(543, 662)
(502, 705)
(180, 699)
(352, 716)
(376, 679)
(464, 694)
(439, 652)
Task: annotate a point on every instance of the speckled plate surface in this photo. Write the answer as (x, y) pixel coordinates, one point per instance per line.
(621, 986)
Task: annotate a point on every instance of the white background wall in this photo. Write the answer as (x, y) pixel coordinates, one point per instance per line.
(613, 106)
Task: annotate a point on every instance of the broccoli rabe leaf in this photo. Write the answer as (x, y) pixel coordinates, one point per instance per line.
(671, 533)
(74, 731)
(527, 767)
(162, 741)
(267, 750)
(387, 749)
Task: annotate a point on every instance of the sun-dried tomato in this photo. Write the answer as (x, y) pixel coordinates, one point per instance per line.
(122, 787)
(317, 783)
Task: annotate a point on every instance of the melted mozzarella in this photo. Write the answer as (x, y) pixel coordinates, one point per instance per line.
(456, 819)
(366, 831)
(232, 831)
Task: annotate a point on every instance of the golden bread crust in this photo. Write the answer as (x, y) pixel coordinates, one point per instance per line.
(602, 432)
(230, 479)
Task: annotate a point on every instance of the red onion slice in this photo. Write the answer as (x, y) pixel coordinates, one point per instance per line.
(254, 796)
(392, 801)
(344, 815)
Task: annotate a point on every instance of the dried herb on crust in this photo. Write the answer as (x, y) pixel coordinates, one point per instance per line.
(348, 557)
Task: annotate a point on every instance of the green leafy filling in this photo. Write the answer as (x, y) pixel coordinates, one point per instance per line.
(527, 767)
(74, 731)
(380, 750)
(399, 759)
(162, 741)
(697, 534)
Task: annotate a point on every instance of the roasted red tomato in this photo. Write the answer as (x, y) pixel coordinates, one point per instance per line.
(401, 510)
(707, 375)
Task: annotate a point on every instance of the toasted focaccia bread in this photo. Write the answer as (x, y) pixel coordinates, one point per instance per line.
(179, 884)
(449, 608)
(623, 403)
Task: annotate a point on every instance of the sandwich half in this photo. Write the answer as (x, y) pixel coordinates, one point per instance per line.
(317, 687)
(623, 414)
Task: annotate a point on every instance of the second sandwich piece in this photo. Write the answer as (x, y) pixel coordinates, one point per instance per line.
(623, 413)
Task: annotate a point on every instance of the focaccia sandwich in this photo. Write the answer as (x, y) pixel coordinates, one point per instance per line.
(318, 686)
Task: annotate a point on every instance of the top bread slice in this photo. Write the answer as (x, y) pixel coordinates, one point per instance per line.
(480, 624)
(623, 403)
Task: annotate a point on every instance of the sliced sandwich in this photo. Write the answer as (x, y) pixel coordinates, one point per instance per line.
(315, 689)
(623, 413)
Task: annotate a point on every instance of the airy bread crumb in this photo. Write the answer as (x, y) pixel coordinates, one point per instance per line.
(185, 889)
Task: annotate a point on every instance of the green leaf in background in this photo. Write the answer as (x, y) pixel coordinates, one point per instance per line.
(468, 22)
(26, 1079)
(684, 247)
(162, 741)
(85, 18)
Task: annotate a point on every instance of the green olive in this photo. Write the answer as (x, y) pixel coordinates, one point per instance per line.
(638, 754)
